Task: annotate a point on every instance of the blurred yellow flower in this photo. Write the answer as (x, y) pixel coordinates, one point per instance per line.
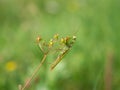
(10, 66)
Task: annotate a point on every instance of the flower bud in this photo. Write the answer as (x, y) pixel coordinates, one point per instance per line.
(50, 43)
(56, 36)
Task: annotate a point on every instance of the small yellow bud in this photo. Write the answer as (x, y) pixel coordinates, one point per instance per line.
(56, 36)
(50, 43)
(62, 40)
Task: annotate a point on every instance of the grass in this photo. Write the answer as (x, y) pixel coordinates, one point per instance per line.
(98, 26)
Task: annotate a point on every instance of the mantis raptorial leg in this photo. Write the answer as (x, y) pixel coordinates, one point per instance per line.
(68, 45)
(59, 58)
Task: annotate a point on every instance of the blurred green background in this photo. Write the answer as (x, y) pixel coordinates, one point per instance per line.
(93, 62)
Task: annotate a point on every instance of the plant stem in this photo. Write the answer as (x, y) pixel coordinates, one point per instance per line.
(34, 73)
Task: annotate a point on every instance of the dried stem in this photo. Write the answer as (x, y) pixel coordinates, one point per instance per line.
(34, 73)
(108, 71)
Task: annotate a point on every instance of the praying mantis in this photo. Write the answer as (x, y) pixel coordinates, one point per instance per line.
(62, 45)
(68, 42)
(65, 45)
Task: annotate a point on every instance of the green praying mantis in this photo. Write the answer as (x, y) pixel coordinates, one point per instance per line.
(61, 45)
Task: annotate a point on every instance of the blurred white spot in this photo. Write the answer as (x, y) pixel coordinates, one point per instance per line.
(32, 8)
(43, 87)
(52, 7)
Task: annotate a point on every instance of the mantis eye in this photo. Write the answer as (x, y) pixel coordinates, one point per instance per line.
(67, 38)
(38, 39)
(74, 37)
